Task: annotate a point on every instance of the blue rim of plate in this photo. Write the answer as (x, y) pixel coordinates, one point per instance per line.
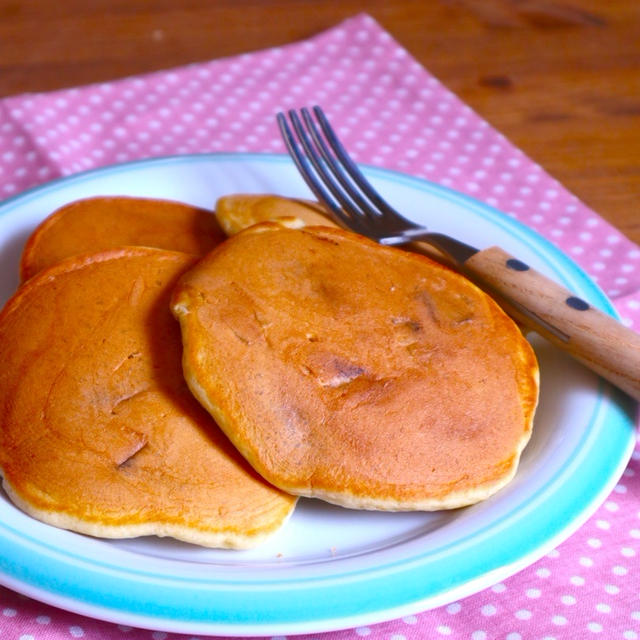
(145, 598)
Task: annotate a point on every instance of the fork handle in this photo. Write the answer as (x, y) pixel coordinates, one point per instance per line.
(594, 338)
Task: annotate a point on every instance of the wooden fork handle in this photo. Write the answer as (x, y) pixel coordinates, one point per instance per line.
(594, 338)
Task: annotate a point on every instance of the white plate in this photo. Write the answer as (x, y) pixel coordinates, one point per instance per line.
(329, 568)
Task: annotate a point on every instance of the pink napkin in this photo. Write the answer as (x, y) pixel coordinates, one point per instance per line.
(390, 112)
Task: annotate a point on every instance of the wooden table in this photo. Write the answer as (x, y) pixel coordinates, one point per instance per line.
(560, 79)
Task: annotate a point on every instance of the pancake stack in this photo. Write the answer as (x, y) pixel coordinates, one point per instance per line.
(306, 361)
(98, 430)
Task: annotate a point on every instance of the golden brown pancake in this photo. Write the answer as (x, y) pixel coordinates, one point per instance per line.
(238, 211)
(105, 222)
(98, 430)
(367, 376)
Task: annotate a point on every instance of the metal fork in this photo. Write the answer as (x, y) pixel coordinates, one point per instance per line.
(594, 338)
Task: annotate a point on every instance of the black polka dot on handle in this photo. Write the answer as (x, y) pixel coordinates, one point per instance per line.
(517, 265)
(577, 303)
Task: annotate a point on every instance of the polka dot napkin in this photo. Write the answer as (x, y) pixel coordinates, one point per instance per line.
(390, 112)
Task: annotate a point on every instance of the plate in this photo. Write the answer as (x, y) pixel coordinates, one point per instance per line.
(330, 568)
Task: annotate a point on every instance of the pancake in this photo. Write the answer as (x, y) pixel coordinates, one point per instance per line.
(241, 210)
(363, 375)
(105, 222)
(98, 430)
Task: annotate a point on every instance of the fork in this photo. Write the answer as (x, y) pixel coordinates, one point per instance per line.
(538, 303)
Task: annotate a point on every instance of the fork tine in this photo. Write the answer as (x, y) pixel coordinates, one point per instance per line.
(304, 167)
(334, 177)
(310, 166)
(350, 166)
(316, 160)
(364, 207)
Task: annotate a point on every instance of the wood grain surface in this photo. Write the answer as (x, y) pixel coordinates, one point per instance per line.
(560, 79)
